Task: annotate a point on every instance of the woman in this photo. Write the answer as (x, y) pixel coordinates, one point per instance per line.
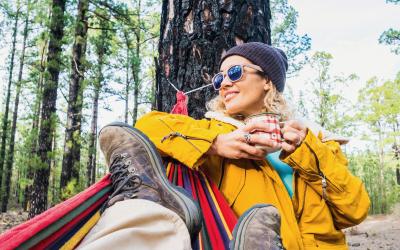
(307, 181)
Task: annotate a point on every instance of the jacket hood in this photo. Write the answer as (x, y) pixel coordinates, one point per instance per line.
(314, 127)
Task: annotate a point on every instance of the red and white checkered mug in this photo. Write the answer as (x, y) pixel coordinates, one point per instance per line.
(272, 119)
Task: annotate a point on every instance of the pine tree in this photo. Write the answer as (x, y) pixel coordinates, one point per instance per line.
(72, 144)
(38, 199)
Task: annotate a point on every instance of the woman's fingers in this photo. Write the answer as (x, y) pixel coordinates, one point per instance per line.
(293, 124)
(263, 139)
(288, 147)
(252, 151)
(292, 137)
(293, 133)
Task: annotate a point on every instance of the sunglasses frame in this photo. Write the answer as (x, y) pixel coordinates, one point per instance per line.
(253, 66)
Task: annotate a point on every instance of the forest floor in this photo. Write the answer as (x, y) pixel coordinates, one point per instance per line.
(376, 232)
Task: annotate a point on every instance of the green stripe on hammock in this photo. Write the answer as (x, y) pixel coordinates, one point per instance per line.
(61, 222)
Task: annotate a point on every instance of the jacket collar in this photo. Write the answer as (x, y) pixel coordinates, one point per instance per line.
(317, 130)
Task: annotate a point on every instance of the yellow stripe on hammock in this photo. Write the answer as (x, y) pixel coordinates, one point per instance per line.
(78, 236)
(168, 168)
(210, 191)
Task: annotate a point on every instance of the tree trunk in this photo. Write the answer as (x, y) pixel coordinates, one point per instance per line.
(10, 154)
(91, 166)
(127, 83)
(72, 147)
(7, 103)
(38, 199)
(35, 126)
(53, 165)
(194, 35)
(101, 49)
(136, 66)
(382, 184)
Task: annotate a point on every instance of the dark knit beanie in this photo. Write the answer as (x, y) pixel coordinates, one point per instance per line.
(273, 61)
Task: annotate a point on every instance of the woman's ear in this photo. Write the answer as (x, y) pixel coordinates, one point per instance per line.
(267, 84)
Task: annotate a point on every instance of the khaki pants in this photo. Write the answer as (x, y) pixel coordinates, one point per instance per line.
(138, 224)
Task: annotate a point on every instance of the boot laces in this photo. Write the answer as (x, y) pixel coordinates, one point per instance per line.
(125, 178)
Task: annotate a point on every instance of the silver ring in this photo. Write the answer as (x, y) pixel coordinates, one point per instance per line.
(247, 137)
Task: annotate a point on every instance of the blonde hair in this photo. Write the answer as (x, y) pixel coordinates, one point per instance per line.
(274, 102)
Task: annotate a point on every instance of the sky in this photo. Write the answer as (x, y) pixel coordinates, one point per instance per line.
(350, 30)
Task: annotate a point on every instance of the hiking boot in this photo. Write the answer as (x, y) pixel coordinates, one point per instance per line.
(138, 172)
(258, 228)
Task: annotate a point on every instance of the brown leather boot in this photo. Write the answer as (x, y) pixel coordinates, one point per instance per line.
(258, 228)
(138, 172)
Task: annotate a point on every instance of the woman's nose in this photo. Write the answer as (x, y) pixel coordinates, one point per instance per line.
(226, 82)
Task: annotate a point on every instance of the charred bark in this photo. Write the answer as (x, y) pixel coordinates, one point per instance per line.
(193, 36)
(38, 199)
(72, 147)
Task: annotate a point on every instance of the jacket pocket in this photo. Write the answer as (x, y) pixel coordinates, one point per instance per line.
(232, 181)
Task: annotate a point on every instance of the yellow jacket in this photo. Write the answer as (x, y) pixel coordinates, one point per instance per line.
(311, 219)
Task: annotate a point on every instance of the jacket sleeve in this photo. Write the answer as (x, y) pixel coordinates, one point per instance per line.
(178, 136)
(324, 167)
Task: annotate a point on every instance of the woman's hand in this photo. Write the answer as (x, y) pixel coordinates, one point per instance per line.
(234, 145)
(293, 133)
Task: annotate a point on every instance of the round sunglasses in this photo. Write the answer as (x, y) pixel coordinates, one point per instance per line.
(234, 74)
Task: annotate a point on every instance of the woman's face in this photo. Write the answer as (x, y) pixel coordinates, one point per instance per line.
(246, 96)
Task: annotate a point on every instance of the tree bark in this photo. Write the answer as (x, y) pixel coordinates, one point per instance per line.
(382, 184)
(91, 166)
(127, 68)
(101, 50)
(136, 65)
(72, 146)
(38, 199)
(10, 154)
(35, 126)
(194, 35)
(7, 103)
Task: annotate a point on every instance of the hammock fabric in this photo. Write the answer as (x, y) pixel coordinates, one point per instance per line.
(66, 224)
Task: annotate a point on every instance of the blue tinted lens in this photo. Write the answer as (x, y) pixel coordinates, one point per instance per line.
(235, 73)
(218, 80)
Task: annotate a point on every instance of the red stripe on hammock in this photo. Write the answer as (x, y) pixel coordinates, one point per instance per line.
(55, 236)
(212, 229)
(21, 233)
(226, 210)
(171, 173)
(180, 178)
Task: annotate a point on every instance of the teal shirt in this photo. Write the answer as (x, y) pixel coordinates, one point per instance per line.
(283, 169)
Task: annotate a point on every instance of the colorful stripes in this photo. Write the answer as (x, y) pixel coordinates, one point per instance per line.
(218, 218)
(57, 224)
(65, 225)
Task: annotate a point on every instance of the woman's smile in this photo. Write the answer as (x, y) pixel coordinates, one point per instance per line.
(229, 95)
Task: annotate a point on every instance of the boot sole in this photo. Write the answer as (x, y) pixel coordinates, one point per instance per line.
(192, 218)
(238, 237)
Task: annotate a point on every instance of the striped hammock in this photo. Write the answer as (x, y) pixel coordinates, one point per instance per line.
(65, 225)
